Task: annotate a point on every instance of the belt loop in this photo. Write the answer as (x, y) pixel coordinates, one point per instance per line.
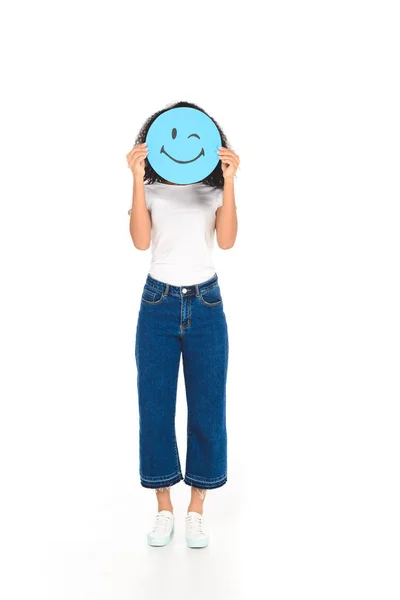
(166, 290)
(197, 290)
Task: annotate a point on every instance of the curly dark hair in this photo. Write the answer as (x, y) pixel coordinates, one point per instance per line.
(215, 179)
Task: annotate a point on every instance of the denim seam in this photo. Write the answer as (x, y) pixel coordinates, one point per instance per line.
(154, 289)
(151, 294)
(203, 290)
(188, 312)
(161, 478)
(206, 479)
(205, 484)
(208, 289)
(156, 302)
(162, 483)
(210, 303)
(176, 451)
(174, 431)
(189, 433)
(165, 287)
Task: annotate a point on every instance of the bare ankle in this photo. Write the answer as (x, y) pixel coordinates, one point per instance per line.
(197, 500)
(164, 499)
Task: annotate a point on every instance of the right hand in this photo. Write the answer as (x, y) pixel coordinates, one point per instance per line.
(135, 159)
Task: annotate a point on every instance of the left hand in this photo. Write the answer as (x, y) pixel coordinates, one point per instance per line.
(229, 162)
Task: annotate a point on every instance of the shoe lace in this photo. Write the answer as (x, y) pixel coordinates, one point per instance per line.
(161, 521)
(195, 524)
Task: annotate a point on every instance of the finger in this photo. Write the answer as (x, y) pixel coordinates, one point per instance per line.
(139, 151)
(136, 149)
(230, 161)
(137, 160)
(228, 166)
(136, 154)
(225, 149)
(231, 157)
(227, 152)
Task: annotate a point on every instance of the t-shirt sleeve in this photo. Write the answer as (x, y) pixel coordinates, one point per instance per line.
(219, 199)
(148, 196)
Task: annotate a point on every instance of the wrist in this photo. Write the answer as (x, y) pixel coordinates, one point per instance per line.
(229, 180)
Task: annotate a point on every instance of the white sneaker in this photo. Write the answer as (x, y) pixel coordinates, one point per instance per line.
(195, 535)
(163, 528)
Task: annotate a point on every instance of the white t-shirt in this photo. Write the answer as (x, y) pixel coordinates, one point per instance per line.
(183, 231)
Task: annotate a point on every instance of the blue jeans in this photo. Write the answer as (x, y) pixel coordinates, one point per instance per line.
(187, 320)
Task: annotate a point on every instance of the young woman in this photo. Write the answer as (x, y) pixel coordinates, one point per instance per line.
(181, 313)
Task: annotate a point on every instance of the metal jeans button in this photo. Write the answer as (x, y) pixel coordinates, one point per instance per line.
(184, 290)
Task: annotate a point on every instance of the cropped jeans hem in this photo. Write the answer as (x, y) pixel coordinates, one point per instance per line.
(205, 484)
(161, 482)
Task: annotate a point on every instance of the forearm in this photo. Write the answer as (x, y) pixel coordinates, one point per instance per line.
(226, 221)
(140, 220)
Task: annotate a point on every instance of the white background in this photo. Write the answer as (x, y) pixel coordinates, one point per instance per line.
(308, 95)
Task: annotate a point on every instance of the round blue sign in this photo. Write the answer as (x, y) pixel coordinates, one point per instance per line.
(182, 145)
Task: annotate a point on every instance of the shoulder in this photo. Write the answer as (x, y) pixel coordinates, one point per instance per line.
(216, 194)
(211, 195)
(210, 190)
(151, 190)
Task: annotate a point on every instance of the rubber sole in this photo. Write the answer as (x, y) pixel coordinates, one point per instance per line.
(153, 541)
(197, 543)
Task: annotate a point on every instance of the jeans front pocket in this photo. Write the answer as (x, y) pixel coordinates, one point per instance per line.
(151, 295)
(211, 296)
